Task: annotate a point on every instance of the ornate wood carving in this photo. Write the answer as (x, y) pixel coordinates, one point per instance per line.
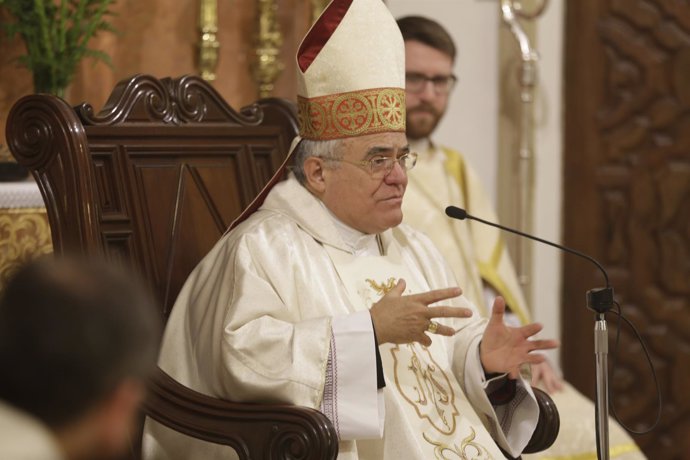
(627, 201)
(171, 101)
(291, 432)
(45, 135)
(548, 426)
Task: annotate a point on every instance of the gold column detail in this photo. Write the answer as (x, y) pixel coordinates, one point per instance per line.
(522, 157)
(269, 39)
(317, 7)
(24, 236)
(208, 45)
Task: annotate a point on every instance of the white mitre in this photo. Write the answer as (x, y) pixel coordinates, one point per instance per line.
(351, 72)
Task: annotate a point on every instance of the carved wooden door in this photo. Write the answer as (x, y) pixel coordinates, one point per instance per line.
(627, 203)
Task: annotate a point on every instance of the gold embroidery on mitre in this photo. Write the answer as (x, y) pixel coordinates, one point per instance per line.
(381, 288)
(353, 113)
(431, 395)
(468, 449)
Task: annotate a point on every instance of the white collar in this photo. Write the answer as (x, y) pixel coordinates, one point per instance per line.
(359, 243)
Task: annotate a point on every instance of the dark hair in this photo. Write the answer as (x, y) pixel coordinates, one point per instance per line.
(71, 329)
(427, 31)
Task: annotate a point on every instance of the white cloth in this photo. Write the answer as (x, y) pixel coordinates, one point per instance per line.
(22, 437)
(261, 316)
(24, 194)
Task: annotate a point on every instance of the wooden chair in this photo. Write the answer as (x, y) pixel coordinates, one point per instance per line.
(153, 180)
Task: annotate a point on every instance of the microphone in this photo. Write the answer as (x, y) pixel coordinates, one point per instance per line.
(600, 299)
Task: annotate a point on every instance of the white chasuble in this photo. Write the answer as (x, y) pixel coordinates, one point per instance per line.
(257, 319)
(427, 413)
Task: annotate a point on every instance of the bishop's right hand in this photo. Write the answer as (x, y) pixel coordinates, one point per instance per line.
(399, 318)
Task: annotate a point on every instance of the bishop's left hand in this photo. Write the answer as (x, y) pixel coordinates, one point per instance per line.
(503, 349)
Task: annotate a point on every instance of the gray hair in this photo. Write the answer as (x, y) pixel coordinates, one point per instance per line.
(328, 150)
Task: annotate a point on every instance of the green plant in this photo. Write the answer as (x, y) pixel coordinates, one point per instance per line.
(56, 34)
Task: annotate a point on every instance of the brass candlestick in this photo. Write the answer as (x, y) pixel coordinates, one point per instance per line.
(269, 39)
(208, 45)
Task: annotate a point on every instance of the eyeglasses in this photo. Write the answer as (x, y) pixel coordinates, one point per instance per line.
(379, 166)
(442, 84)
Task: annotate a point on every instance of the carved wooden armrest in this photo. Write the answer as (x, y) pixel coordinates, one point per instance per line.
(548, 425)
(254, 430)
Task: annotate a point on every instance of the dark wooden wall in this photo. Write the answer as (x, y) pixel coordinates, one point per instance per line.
(627, 203)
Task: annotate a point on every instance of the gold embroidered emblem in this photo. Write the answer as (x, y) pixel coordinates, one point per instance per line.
(381, 288)
(467, 450)
(335, 116)
(313, 118)
(427, 388)
(391, 109)
(353, 113)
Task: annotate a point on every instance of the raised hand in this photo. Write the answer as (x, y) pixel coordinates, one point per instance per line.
(401, 318)
(503, 349)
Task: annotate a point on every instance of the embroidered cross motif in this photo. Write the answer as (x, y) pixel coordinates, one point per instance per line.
(381, 288)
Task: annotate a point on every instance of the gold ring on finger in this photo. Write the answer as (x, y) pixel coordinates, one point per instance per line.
(433, 327)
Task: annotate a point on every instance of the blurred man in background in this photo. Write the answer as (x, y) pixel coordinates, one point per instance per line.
(78, 338)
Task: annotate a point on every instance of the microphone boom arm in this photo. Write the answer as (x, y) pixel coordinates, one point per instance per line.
(461, 214)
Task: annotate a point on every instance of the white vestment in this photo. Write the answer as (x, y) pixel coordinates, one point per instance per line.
(479, 258)
(23, 437)
(277, 312)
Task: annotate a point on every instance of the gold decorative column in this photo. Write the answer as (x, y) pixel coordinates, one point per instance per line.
(24, 236)
(269, 39)
(317, 7)
(208, 45)
(517, 112)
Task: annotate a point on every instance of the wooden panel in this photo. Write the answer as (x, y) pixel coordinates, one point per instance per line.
(186, 210)
(185, 163)
(109, 174)
(627, 201)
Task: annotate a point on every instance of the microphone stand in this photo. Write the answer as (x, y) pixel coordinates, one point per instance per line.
(599, 300)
